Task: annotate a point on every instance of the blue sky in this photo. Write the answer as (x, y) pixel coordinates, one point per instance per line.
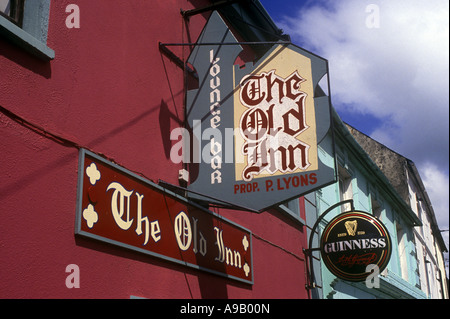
(279, 10)
(389, 74)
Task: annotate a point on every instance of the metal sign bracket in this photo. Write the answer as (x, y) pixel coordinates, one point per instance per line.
(187, 13)
(163, 47)
(308, 252)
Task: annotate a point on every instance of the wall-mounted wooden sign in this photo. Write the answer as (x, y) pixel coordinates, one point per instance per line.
(121, 208)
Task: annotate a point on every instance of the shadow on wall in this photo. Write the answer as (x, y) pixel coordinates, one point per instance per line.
(25, 60)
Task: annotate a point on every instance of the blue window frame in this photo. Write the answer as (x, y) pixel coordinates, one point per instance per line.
(25, 23)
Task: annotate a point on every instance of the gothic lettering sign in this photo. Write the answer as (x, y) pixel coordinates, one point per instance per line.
(351, 242)
(257, 128)
(119, 207)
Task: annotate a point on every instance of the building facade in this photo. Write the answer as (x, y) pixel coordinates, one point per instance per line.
(373, 179)
(363, 182)
(404, 176)
(92, 98)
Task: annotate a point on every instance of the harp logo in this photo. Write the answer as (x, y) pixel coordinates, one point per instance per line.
(351, 227)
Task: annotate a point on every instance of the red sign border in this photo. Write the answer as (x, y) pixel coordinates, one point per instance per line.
(78, 217)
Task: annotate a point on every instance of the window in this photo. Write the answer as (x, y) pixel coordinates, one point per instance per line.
(427, 271)
(419, 202)
(376, 211)
(376, 207)
(292, 208)
(402, 254)
(345, 187)
(12, 10)
(25, 23)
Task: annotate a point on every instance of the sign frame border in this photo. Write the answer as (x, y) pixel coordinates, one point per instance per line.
(331, 223)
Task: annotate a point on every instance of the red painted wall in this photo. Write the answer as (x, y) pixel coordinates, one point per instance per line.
(109, 89)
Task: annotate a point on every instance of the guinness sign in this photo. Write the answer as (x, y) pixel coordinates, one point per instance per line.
(351, 242)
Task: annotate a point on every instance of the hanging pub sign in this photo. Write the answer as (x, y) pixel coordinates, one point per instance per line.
(256, 128)
(351, 242)
(119, 207)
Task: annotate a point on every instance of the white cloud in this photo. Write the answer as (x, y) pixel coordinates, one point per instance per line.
(398, 73)
(437, 185)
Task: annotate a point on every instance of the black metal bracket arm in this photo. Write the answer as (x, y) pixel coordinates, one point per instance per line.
(225, 204)
(224, 43)
(163, 47)
(179, 62)
(217, 5)
(308, 252)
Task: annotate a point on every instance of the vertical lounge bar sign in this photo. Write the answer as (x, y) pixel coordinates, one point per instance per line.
(121, 208)
(262, 124)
